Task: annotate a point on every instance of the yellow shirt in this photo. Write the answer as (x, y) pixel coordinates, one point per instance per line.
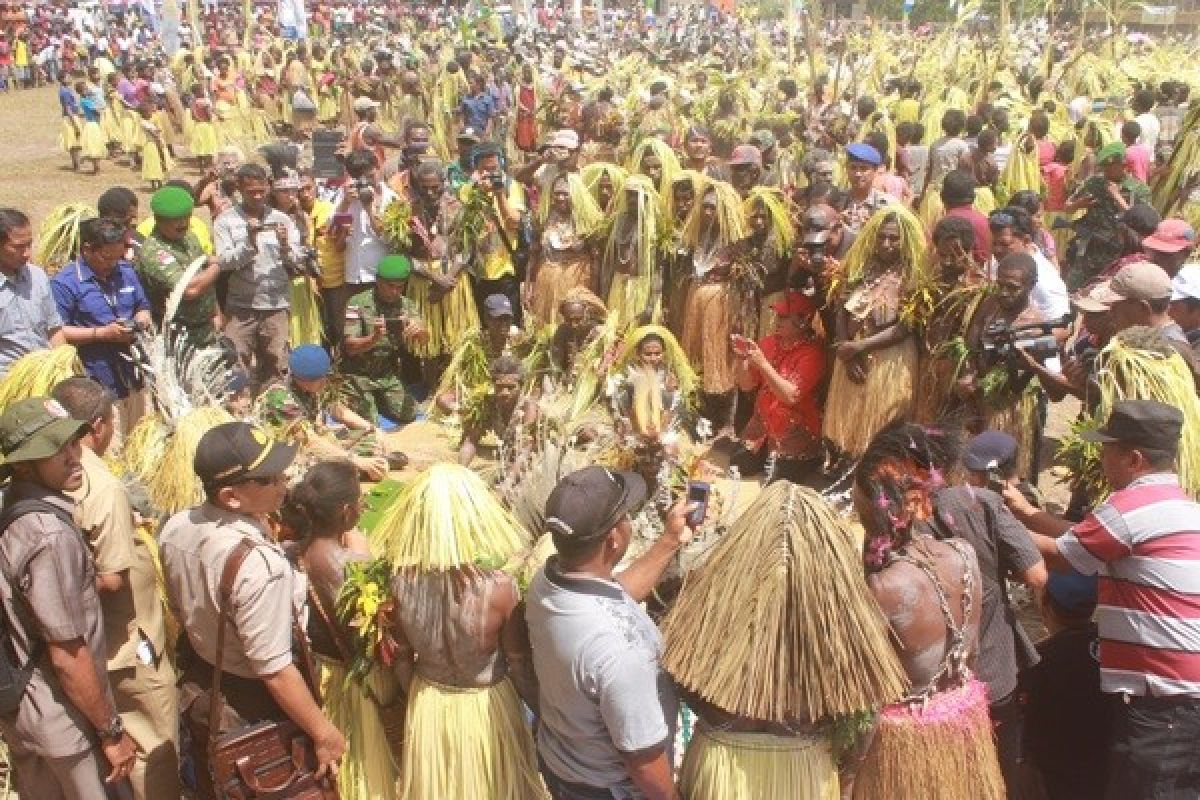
(498, 263)
(332, 262)
(196, 226)
(21, 54)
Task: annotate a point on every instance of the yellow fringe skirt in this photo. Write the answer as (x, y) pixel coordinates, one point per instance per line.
(92, 142)
(304, 323)
(941, 751)
(448, 319)
(203, 139)
(855, 412)
(467, 743)
(554, 279)
(707, 323)
(627, 298)
(68, 138)
(155, 163)
(369, 769)
(758, 766)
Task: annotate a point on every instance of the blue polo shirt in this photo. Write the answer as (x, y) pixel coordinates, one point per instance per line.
(478, 110)
(84, 301)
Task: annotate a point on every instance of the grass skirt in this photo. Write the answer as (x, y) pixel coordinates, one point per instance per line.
(758, 766)
(627, 298)
(467, 743)
(369, 769)
(203, 139)
(68, 139)
(304, 323)
(943, 751)
(707, 323)
(767, 316)
(856, 412)
(448, 320)
(554, 279)
(92, 142)
(1020, 421)
(153, 168)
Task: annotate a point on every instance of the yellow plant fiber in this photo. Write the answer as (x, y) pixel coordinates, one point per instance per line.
(36, 374)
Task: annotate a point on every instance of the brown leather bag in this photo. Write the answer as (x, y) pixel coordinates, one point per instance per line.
(266, 760)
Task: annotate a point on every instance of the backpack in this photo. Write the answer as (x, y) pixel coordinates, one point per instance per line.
(13, 679)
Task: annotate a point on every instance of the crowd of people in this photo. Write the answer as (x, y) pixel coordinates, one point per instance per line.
(735, 345)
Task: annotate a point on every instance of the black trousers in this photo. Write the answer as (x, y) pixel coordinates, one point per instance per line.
(1007, 721)
(1154, 750)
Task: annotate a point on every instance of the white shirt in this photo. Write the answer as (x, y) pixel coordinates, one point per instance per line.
(364, 248)
(1050, 294)
(1151, 126)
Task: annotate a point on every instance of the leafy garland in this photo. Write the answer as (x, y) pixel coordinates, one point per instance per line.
(397, 225)
(364, 604)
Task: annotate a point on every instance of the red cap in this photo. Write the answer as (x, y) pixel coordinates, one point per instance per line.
(795, 303)
(745, 154)
(1171, 236)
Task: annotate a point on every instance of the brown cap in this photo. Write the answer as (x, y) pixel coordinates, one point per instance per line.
(1141, 280)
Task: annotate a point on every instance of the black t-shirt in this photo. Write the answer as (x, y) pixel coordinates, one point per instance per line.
(1068, 719)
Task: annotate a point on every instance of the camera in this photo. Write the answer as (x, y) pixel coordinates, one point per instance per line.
(306, 263)
(1001, 340)
(816, 254)
(496, 179)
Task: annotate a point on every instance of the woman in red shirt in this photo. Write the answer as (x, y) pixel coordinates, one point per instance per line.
(788, 369)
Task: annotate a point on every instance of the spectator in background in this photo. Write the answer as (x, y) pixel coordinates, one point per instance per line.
(1138, 157)
(1141, 543)
(958, 198)
(1170, 245)
(355, 229)
(29, 318)
(1148, 124)
(1185, 302)
(1068, 719)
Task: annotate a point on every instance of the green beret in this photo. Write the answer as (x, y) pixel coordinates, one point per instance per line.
(394, 268)
(171, 202)
(1110, 151)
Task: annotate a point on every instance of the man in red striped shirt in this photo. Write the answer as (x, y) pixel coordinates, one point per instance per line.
(1144, 543)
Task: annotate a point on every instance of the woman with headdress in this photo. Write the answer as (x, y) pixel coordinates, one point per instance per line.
(655, 159)
(765, 252)
(935, 744)
(716, 296)
(322, 512)
(439, 285)
(630, 276)
(461, 652)
(496, 417)
(879, 294)
(780, 650)
(652, 352)
(604, 182)
(567, 217)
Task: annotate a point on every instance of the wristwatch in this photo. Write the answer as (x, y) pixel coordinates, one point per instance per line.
(115, 729)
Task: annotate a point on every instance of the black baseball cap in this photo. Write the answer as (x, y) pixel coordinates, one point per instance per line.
(589, 503)
(1146, 424)
(989, 450)
(234, 452)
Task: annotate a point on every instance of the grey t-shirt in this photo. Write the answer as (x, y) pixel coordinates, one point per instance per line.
(28, 314)
(602, 690)
(1003, 546)
(259, 281)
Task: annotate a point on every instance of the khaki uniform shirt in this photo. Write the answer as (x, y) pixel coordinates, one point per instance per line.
(134, 613)
(48, 590)
(266, 593)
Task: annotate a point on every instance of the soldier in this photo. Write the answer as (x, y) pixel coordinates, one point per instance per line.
(378, 321)
(164, 256)
(295, 408)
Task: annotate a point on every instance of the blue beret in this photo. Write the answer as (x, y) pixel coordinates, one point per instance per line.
(309, 362)
(861, 151)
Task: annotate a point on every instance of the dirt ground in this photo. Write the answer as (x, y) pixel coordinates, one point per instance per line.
(35, 176)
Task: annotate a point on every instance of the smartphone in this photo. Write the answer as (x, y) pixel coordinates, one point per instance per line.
(342, 219)
(697, 492)
(739, 343)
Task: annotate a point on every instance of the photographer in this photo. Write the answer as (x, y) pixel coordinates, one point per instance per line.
(355, 228)
(500, 239)
(975, 512)
(1012, 231)
(102, 304)
(258, 246)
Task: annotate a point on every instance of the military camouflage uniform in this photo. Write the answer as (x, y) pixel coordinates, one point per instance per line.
(372, 378)
(160, 264)
(299, 417)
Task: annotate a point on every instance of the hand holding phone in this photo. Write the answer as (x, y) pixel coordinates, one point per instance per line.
(697, 499)
(741, 345)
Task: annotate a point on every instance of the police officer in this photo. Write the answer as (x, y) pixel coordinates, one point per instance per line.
(242, 470)
(166, 254)
(378, 320)
(65, 738)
